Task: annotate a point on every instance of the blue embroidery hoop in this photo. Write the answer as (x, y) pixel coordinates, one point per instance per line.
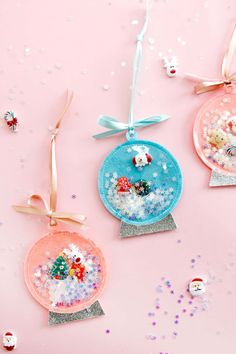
(120, 163)
(115, 126)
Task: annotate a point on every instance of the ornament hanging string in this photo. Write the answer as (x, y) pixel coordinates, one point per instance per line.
(33, 204)
(204, 85)
(115, 126)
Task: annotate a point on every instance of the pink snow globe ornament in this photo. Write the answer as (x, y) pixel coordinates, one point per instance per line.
(64, 271)
(214, 129)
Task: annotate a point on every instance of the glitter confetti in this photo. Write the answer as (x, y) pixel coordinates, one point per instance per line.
(58, 66)
(106, 87)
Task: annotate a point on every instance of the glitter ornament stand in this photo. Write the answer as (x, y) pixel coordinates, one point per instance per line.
(219, 180)
(167, 224)
(64, 272)
(95, 310)
(139, 182)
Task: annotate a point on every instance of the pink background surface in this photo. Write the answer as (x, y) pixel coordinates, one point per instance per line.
(47, 46)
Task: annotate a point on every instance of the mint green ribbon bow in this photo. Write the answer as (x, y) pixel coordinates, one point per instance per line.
(113, 125)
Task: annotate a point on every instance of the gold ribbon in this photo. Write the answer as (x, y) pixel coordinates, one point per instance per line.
(205, 85)
(33, 204)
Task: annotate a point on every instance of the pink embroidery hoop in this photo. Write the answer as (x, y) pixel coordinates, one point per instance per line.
(53, 243)
(207, 118)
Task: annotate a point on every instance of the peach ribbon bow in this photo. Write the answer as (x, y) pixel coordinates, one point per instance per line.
(204, 85)
(33, 204)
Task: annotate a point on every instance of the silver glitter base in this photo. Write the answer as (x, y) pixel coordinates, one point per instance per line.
(94, 310)
(167, 224)
(218, 179)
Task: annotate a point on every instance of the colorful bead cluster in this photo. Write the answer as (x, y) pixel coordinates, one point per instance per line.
(138, 200)
(219, 136)
(70, 278)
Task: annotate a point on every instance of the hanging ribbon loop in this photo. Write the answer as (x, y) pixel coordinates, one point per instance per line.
(228, 79)
(115, 126)
(37, 205)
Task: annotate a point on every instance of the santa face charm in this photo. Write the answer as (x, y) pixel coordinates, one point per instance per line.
(9, 341)
(197, 287)
(142, 158)
(135, 190)
(215, 134)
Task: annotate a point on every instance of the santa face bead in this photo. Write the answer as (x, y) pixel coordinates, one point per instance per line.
(9, 341)
(142, 159)
(231, 124)
(197, 287)
(123, 185)
(142, 187)
(11, 120)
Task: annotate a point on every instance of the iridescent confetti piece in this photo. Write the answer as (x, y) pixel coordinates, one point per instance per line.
(218, 179)
(94, 310)
(166, 224)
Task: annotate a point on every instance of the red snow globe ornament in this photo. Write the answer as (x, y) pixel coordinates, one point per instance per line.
(214, 129)
(64, 271)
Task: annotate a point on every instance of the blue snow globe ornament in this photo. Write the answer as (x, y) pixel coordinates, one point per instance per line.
(139, 182)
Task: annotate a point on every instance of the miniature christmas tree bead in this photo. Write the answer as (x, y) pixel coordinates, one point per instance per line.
(59, 269)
